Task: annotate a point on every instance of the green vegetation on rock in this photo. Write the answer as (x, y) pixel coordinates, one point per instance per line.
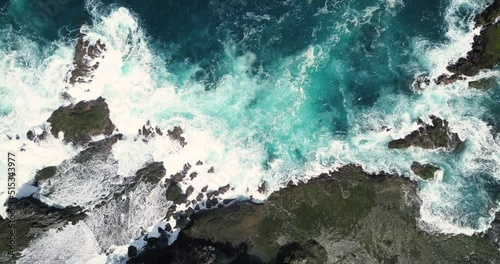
(81, 121)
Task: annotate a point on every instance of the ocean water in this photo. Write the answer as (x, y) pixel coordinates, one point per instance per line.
(264, 90)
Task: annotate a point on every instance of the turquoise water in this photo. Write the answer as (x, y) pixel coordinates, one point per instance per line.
(272, 90)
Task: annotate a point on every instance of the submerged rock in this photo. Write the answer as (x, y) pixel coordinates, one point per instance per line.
(430, 136)
(82, 121)
(420, 82)
(425, 171)
(35, 137)
(346, 216)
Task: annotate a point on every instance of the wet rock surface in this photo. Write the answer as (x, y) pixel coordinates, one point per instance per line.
(346, 216)
(425, 171)
(132, 200)
(493, 233)
(148, 131)
(485, 52)
(82, 121)
(483, 84)
(430, 136)
(176, 135)
(31, 218)
(488, 15)
(84, 61)
(191, 250)
(308, 252)
(446, 79)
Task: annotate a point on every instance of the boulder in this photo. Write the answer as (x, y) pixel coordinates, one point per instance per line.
(82, 121)
(46, 173)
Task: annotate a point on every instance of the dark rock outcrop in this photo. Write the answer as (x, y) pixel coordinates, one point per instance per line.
(84, 60)
(493, 233)
(425, 171)
(420, 82)
(448, 79)
(485, 52)
(308, 252)
(430, 136)
(30, 218)
(483, 84)
(81, 121)
(488, 15)
(152, 173)
(149, 131)
(192, 250)
(345, 216)
(174, 193)
(46, 173)
(33, 136)
(176, 135)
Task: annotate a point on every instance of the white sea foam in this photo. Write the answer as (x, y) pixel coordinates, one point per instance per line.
(29, 73)
(72, 244)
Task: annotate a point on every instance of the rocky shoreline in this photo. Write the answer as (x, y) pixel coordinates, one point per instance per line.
(346, 216)
(484, 53)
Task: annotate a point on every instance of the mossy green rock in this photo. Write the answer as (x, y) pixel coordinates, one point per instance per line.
(425, 171)
(485, 52)
(82, 121)
(356, 217)
(483, 84)
(430, 136)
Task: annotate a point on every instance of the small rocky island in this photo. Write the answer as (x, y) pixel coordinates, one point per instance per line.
(346, 216)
